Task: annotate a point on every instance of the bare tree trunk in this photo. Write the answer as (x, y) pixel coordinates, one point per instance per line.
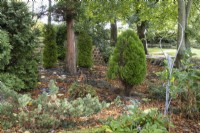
(113, 36)
(181, 31)
(188, 8)
(141, 33)
(71, 49)
(184, 8)
(49, 13)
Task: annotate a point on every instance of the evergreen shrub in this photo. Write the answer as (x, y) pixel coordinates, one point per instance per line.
(5, 49)
(60, 41)
(17, 21)
(8, 106)
(50, 48)
(12, 81)
(81, 90)
(128, 62)
(47, 111)
(84, 50)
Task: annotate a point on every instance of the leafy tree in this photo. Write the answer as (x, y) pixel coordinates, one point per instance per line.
(17, 21)
(84, 50)
(128, 62)
(50, 49)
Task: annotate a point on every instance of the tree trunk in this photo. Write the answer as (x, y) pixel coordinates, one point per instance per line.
(71, 49)
(183, 40)
(188, 8)
(49, 13)
(181, 31)
(113, 36)
(141, 33)
(127, 88)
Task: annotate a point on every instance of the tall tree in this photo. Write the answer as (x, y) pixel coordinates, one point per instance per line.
(184, 8)
(68, 10)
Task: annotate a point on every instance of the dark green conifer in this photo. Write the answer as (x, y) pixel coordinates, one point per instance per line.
(17, 21)
(50, 48)
(84, 50)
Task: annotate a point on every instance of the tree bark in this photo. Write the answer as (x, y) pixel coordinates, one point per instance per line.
(183, 40)
(188, 8)
(141, 33)
(113, 36)
(71, 49)
(49, 13)
(181, 31)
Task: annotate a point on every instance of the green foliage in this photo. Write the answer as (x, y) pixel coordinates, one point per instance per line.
(11, 81)
(81, 90)
(157, 92)
(4, 49)
(138, 121)
(100, 37)
(8, 104)
(184, 86)
(128, 61)
(84, 50)
(17, 21)
(50, 48)
(60, 40)
(86, 106)
(45, 113)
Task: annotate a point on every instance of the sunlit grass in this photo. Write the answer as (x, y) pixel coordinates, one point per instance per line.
(157, 51)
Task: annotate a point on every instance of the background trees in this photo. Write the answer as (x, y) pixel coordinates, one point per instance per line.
(50, 48)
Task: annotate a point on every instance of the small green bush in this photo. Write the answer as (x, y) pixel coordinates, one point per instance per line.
(8, 106)
(128, 62)
(4, 49)
(157, 92)
(11, 81)
(84, 50)
(138, 121)
(81, 90)
(50, 48)
(60, 40)
(45, 113)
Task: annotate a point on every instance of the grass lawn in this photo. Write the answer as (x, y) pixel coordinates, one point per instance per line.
(157, 51)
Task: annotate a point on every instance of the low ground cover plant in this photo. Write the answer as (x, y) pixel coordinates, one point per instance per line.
(135, 120)
(47, 112)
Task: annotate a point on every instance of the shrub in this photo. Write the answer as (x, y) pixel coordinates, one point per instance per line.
(128, 62)
(45, 113)
(17, 21)
(81, 90)
(8, 106)
(137, 120)
(4, 49)
(84, 50)
(184, 85)
(11, 81)
(50, 48)
(157, 92)
(60, 40)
